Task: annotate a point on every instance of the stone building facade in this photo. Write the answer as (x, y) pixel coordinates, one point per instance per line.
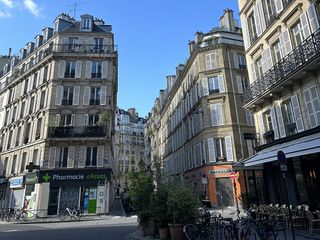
(53, 95)
(282, 41)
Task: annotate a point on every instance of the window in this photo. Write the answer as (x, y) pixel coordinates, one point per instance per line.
(31, 108)
(96, 69)
(23, 162)
(23, 104)
(211, 60)
(270, 7)
(86, 23)
(242, 83)
(250, 118)
(35, 79)
(73, 44)
(258, 65)
(26, 83)
(95, 96)
(5, 166)
(217, 118)
(35, 157)
(70, 69)
(213, 83)
(9, 140)
(18, 137)
(14, 162)
(26, 133)
(7, 117)
(312, 101)
(267, 120)
(297, 33)
(98, 45)
(289, 117)
(62, 160)
(93, 120)
(65, 120)
(220, 149)
(38, 130)
(14, 112)
(277, 54)
(45, 73)
(242, 61)
(67, 96)
(252, 28)
(42, 99)
(91, 158)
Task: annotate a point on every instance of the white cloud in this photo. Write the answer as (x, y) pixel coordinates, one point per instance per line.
(32, 7)
(4, 14)
(8, 3)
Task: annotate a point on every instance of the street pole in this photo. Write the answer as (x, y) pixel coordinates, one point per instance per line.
(288, 201)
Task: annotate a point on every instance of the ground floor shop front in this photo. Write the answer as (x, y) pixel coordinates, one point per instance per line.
(46, 192)
(214, 182)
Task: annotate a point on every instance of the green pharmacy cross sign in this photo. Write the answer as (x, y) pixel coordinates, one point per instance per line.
(46, 178)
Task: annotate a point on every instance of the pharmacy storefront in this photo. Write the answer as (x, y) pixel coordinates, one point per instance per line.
(86, 189)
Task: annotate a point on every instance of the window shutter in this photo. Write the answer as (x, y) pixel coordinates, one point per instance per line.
(82, 156)
(263, 61)
(34, 129)
(76, 95)
(58, 118)
(59, 91)
(253, 72)
(261, 13)
(220, 114)
(86, 120)
(73, 116)
(274, 122)
(88, 69)
(27, 106)
(268, 58)
(310, 108)
(286, 45)
(313, 18)
(40, 77)
(239, 84)
(250, 118)
(14, 137)
(103, 95)
(278, 5)
(214, 115)
(86, 95)
(245, 30)
(30, 83)
(61, 70)
(211, 150)
(297, 113)
(229, 148)
(205, 89)
(282, 130)
(52, 154)
(100, 156)
(316, 103)
(261, 124)
(104, 69)
(78, 69)
(257, 20)
(22, 87)
(305, 24)
(221, 84)
(71, 152)
(235, 60)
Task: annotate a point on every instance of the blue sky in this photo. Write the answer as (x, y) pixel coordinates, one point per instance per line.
(152, 35)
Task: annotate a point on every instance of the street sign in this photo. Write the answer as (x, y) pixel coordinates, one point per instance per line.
(233, 175)
(204, 180)
(281, 157)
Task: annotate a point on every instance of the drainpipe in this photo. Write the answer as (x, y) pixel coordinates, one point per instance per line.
(235, 103)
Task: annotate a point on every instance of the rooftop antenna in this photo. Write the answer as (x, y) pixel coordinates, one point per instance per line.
(74, 7)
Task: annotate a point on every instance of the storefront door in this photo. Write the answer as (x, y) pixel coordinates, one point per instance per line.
(53, 201)
(69, 198)
(224, 192)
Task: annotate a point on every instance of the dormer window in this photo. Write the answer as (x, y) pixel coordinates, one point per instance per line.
(86, 24)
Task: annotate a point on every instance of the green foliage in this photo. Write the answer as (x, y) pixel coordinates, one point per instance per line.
(246, 199)
(159, 206)
(104, 119)
(182, 204)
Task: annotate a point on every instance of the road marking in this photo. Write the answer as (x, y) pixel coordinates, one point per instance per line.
(13, 230)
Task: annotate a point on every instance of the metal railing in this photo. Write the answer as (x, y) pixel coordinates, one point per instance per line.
(84, 48)
(85, 131)
(299, 57)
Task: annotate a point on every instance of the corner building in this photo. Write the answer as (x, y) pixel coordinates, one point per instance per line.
(199, 116)
(57, 115)
(282, 41)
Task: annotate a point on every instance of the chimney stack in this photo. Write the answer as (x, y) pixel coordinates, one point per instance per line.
(9, 53)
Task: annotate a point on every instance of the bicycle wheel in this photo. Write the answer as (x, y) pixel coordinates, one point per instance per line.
(76, 215)
(63, 215)
(192, 232)
(217, 233)
(248, 233)
(227, 232)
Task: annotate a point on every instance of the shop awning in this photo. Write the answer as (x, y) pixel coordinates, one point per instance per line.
(298, 147)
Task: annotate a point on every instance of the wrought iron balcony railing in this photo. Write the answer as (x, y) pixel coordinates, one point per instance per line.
(71, 132)
(84, 48)
(298, 58)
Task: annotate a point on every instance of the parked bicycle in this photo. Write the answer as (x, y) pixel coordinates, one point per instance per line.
(16, 215)
(74, 214)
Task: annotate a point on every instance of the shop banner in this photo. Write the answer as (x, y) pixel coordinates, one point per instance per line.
(16, 182)
(74, 177)
(31, 178)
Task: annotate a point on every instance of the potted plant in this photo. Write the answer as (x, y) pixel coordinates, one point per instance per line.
(160, 211)
(183, 206)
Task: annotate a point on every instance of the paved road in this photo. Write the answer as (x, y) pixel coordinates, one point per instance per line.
(116, 228)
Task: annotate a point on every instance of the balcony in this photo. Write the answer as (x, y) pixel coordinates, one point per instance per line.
(66, 102)
(69, 74)
(95, 75)
(299, 58)
(84, 48)
(94, 102)
(76, 132)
